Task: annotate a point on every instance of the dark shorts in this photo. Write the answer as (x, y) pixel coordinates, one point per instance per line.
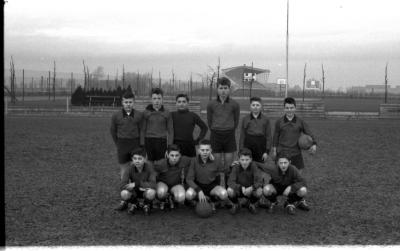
(223, 141)
(188, 148)
(208, 187)
(124, 147)
(257, 145)
(155, 148)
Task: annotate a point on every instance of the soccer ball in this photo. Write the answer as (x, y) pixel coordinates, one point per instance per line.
(203, 209)
(305, 141)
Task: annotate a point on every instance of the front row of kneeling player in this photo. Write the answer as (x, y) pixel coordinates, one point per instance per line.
(179, 179)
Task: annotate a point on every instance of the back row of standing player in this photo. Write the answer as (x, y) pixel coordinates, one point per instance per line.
(156, 128)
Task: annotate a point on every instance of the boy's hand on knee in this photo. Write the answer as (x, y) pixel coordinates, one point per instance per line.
(202, 197)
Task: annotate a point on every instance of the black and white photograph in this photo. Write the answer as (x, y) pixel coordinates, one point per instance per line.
(241, 125)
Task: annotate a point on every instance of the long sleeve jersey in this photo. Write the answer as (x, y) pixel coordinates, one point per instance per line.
(223, 116)
(184, 122)
(256, 126)
(172, 175)
(291, 177)
(240, 177)
(144, 179)
(158, 124)
(204, 173)
(124, 126)
(287, 133)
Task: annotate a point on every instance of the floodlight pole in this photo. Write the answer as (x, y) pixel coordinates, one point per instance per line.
(287, 48)
(386, 81)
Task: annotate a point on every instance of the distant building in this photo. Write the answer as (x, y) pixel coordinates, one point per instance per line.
(373, 89)
(313, 84)
(242, 77)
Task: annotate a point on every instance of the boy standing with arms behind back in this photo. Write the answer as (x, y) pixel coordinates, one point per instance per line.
(223, 119)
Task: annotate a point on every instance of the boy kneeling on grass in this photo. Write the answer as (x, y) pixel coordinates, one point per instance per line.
(171, 173)
(244, 183)
(138, 184)
(285, 180)
(206, 177)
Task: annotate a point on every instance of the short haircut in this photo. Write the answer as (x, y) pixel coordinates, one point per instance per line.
(138, 151)
(128, 94)
(255, 99)
(245, 152)
(289, 100)
(173, 147)
(223, 81)
(282, 155)
(205, 142)
(157, 91)
(182, 95)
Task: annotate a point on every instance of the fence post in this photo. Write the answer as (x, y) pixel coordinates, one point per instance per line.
(5, 106)
(67, 104)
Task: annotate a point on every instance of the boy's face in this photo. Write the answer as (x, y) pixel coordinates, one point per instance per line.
(255, 107)
(204, 151)
(289, 109)
(138, 160)
(245, 161)
(181, 103)
(174, 157)
(283, 164)
(223, 91)
(127, 104)
(156, 100)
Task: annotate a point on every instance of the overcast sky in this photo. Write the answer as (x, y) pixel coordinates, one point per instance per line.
(353, 39)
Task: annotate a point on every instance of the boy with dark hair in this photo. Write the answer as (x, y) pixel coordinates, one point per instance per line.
(244, 182)
(205, 178)
(285, 180)
(287, 132)
(157, 126)
(255, 131)
(223, 119)
(139, 182)
(126, 130)
(184, 122)
(171, 173)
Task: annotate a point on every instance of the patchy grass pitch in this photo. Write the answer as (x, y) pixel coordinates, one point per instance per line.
(61, 185)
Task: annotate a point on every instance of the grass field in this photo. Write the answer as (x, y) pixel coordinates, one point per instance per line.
(61, 185)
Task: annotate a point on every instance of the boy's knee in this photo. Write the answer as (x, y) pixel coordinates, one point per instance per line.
(179, 196)
(125, 195)
(221, 193)
(231, 192)
(302, 192)
(268, 190)
(258, 192)
(150, 194)
(190, 194)
(162, 190)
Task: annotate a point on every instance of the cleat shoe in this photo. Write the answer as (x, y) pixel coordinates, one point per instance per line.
(243, 202)
(122, 206)
(162, 205)
(271, 207)
(291, 209)
(146, 209)
(132, 209)
(191, 203)
(234, 208)
(302, 204)
(252, 208)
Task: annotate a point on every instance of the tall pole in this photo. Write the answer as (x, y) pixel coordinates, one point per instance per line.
(386, 81)
(219, 64)
(48, 85)
(23, 84)
(70, 85)
(287, 49)
(304, 79)
(323, 81)
(251, 81)
(54, 82)
(159, 79)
